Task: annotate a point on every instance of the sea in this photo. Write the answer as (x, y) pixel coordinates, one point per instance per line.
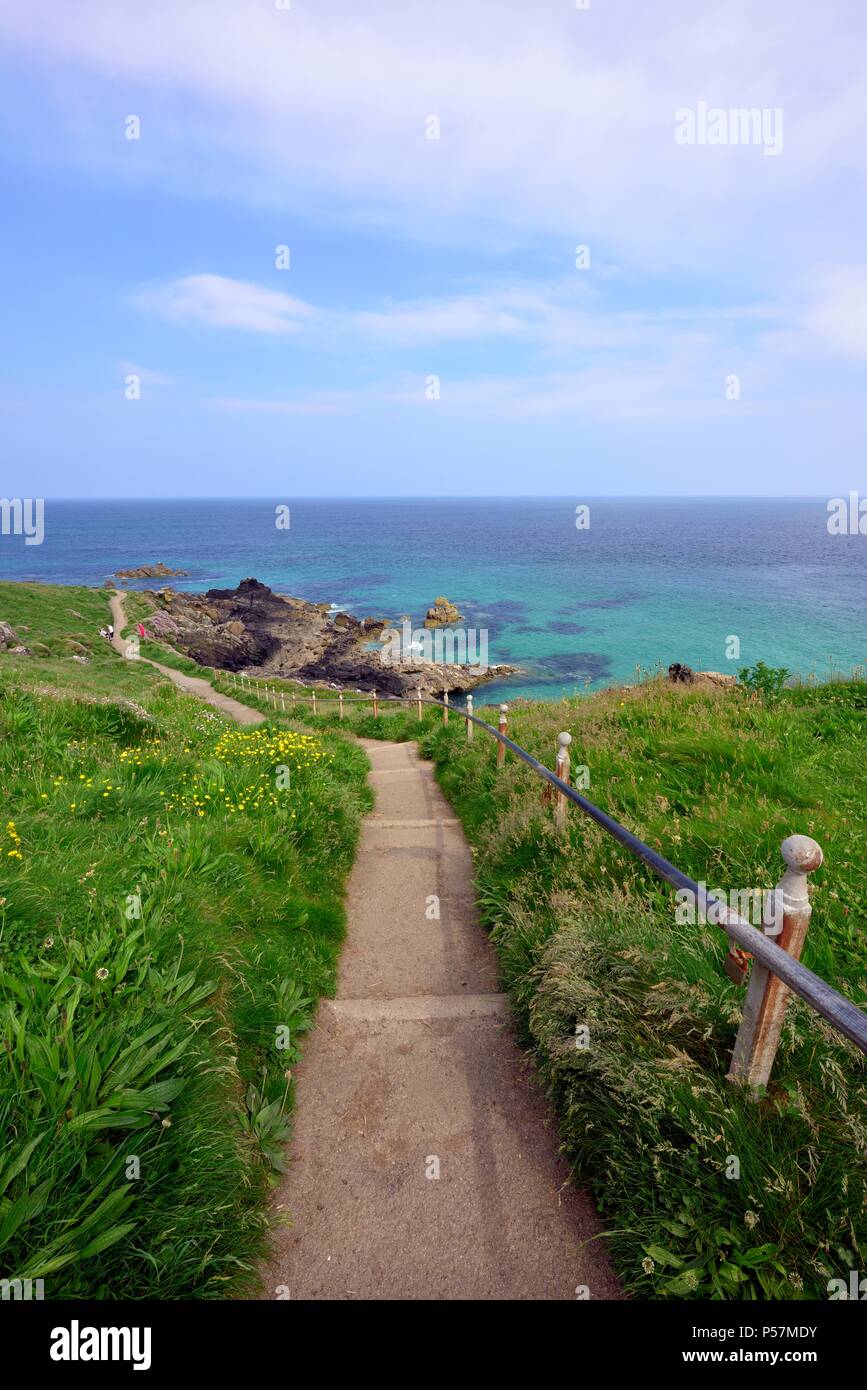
(575, 600)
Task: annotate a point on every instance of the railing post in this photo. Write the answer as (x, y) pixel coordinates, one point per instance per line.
(375, 706)
(340, 703)
(501, 747)
(418, 700)
(561, 767)
(445, 707)
(767, 996)
(470, 720)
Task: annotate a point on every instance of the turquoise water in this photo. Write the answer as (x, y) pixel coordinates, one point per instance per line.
(650, 581)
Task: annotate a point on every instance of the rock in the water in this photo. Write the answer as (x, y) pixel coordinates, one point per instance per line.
(442, 613)
(159, 571)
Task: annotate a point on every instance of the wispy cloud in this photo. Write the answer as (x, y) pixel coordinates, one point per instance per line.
(220, 302)
(553, 120)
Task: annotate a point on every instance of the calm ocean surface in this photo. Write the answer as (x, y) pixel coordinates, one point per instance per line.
(650, 582)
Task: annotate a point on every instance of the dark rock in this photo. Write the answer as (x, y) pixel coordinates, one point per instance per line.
(681, 674)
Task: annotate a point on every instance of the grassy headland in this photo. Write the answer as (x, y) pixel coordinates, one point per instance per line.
(170, 910)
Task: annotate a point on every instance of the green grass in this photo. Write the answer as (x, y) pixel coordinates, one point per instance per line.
(170, 911)
(586, 936)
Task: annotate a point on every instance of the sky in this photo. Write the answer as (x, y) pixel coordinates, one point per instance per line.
(316, 247)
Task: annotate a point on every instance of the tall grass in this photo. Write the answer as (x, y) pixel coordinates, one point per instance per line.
(169, 914)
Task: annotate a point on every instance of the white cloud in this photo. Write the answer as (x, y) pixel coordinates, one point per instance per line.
(553, 120)
(220, 302)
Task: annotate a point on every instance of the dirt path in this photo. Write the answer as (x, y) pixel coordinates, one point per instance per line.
(193, 685)
(424, 1163)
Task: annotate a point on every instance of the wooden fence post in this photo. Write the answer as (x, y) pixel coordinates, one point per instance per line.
(375, 706)
(314, 701)
(767, 997)
(445, 707)
(418, 699)
(470, 720)
(561, 767)
(283, 701)
(340, 703)
(501, 747)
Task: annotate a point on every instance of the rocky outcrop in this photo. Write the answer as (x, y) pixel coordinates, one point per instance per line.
(442, 613)
(158, 571)
(252, 628)
(685, 675)
(8, 637)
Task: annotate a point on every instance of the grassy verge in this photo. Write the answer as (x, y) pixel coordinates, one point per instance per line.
(706, 1193)
(170, 910)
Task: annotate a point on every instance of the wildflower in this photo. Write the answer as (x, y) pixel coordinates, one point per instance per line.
(750, 1219)
(47, 943)
(647, 1265)
(166, 1123)
(102, 973)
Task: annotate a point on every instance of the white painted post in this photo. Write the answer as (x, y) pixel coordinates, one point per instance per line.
(561, 803)
(767, 996)
(375, 706)
(283, 701)
(470, 720)
(501, 747)
(314, 701)
(340, 702)
(418, 699)
(445, 707)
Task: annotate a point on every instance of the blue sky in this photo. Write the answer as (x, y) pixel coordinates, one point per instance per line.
(413, 257)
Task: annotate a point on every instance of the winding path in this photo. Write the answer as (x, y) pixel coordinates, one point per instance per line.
(424, 1163)
(193, 685)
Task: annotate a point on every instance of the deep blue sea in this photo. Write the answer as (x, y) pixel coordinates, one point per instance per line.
(650, 581)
